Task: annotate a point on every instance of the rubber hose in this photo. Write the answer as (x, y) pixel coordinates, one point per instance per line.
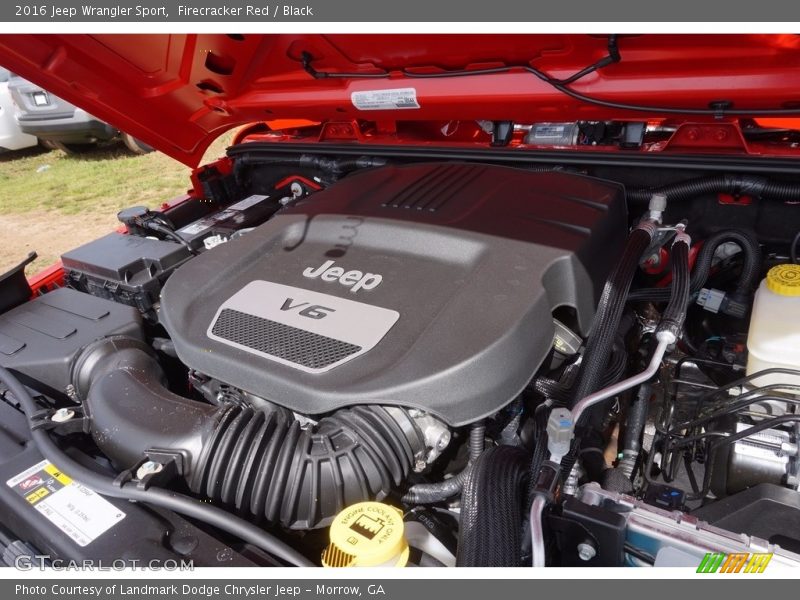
(751, 253)
(749, 185)
(674, 314)
(255, 461)
(592, 456)
(557, 389)
(170, 500)
(609, 313)
(551, 389)
(431, 493)
(540, 451)
(637, 418)
(477, 440)
(246, 156)
(605, 326)
(672, 320)
(492, 505)
(561, 393)
(302, 478)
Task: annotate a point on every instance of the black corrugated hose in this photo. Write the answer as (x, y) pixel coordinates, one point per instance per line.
(672, 320)
(561, 392)
(601, 338)
(302, 478)
(606, 324)
(675, 314)
(609, 313)
(745, 185)
(431, 493)
(751, 253)
(256, 461)
(170, 500)
(492, 504)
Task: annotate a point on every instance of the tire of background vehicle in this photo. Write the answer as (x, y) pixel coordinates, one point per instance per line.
(134, 145)
(48, 144)
(71, 148)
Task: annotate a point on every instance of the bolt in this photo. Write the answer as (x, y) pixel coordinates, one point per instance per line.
(71, 392)
(653, 260)
(149, 468)
(419, 466)
(62, 415)
(586, 550)
(444, 439)
(225, 555)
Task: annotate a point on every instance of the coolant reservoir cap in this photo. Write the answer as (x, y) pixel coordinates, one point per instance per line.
(367, 534)
(784, 280)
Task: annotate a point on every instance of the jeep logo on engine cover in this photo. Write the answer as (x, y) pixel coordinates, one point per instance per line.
(355, 280)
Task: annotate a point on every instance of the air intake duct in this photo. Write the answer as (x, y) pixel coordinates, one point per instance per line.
(262, 463)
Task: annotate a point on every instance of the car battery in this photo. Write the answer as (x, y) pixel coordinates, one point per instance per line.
(246, 213)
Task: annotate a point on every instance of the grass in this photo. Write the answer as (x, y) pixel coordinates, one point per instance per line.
(51, 202)
(99, 180)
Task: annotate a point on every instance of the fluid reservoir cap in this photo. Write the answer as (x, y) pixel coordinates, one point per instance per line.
(784, 280)
(367, 534)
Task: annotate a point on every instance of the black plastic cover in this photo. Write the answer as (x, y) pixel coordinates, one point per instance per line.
(40, 339)
(597, 527)
(472, 261)
(767, 511)
(125, 268)
(14, 288)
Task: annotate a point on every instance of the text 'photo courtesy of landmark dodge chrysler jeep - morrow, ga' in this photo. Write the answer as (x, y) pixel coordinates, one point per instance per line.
(447, 300)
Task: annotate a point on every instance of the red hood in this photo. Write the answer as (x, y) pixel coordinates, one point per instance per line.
(179, 92)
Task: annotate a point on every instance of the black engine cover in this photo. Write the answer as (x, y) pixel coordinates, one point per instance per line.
(429, 286)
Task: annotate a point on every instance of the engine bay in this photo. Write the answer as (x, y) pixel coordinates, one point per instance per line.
(374, 361)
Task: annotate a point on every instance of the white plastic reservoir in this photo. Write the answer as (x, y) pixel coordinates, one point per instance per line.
(774, 336)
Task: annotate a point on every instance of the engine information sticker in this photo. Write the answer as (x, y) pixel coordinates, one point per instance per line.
(385, 99)
(73, 508)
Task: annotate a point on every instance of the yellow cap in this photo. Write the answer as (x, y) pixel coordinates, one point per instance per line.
(367, 534)
(784, 280)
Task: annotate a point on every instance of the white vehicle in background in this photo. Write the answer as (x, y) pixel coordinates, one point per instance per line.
(61, 125)
(11, 136)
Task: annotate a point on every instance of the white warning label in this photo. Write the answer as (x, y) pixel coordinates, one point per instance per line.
(400, 98)
(248, 202)
(73, 508)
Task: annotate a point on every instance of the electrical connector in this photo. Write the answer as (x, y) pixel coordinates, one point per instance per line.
(548, 481)
(656, 207)
(717, 301)
(560, 428)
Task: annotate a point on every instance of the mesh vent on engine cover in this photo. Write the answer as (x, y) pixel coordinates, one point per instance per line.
(283, 341)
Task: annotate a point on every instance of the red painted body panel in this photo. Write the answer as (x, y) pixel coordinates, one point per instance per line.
(179, 92)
